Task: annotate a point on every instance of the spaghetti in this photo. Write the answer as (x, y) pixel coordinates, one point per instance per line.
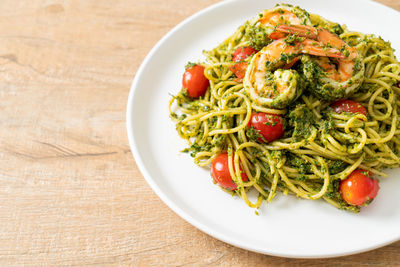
(320, 147)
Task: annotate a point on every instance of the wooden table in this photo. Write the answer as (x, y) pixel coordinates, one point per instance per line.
(70, 192)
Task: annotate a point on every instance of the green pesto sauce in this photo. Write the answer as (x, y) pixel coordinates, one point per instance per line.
(302, 120)
(253, 134)
(257, 36)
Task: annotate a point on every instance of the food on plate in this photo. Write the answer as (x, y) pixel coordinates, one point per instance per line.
(194, 81)
(295, 103)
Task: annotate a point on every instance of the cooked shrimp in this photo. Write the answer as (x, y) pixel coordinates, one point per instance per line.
(281, 14)
(341, 76)
(258, 29)
(277, 88)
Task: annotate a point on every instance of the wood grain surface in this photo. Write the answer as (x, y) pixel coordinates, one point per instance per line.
(70, 192)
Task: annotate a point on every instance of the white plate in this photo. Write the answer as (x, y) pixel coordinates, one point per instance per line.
(288, 226)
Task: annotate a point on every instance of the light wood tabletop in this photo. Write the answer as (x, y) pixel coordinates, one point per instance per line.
(70, 192)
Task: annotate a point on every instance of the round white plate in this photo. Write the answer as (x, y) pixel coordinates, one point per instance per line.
(288, 226)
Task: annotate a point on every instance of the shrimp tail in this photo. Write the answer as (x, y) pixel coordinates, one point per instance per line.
(300, 30)
(277, 35)
(311, 45)
(318, 49)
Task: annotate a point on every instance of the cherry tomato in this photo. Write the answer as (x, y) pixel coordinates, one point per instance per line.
(269, 125)
(194, 81)
(359, 187)
(347, 105)
(220, 172)
(239, 69)
(242, 53)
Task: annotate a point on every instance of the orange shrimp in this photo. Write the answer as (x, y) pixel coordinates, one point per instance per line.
(282, 14)
(277, 88)
(343, 76)
(279, 15)
(346, 65)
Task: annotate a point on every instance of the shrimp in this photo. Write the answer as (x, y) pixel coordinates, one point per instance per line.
(330, 78)
(260, 27)
(283, 14)
(270, 86)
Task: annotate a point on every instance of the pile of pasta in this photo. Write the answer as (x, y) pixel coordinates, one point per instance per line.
(319, 148)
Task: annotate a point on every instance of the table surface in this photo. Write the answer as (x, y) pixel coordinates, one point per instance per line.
(70, 192)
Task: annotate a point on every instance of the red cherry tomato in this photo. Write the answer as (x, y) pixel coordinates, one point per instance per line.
(239, 69)
(269, 125)
(220, 172)
(242, 53)
(359, 187)
(194, 81)
(347, 105)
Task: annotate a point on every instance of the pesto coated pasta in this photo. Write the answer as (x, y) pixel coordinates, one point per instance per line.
(334, 92)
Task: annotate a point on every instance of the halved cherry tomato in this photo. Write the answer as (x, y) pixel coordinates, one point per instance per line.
(194, 81)
(347, 105)
(271, 126)
(239, 69)
(359, 187)
(220, 172)
(242, 53)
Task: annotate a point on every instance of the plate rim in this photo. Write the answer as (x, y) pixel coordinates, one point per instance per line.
(170, 203)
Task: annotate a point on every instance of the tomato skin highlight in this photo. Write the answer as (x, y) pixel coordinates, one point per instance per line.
(359, 187)
(271, 126)
(220, 172)
(195, 82)
(239, 69)
(347, 105)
